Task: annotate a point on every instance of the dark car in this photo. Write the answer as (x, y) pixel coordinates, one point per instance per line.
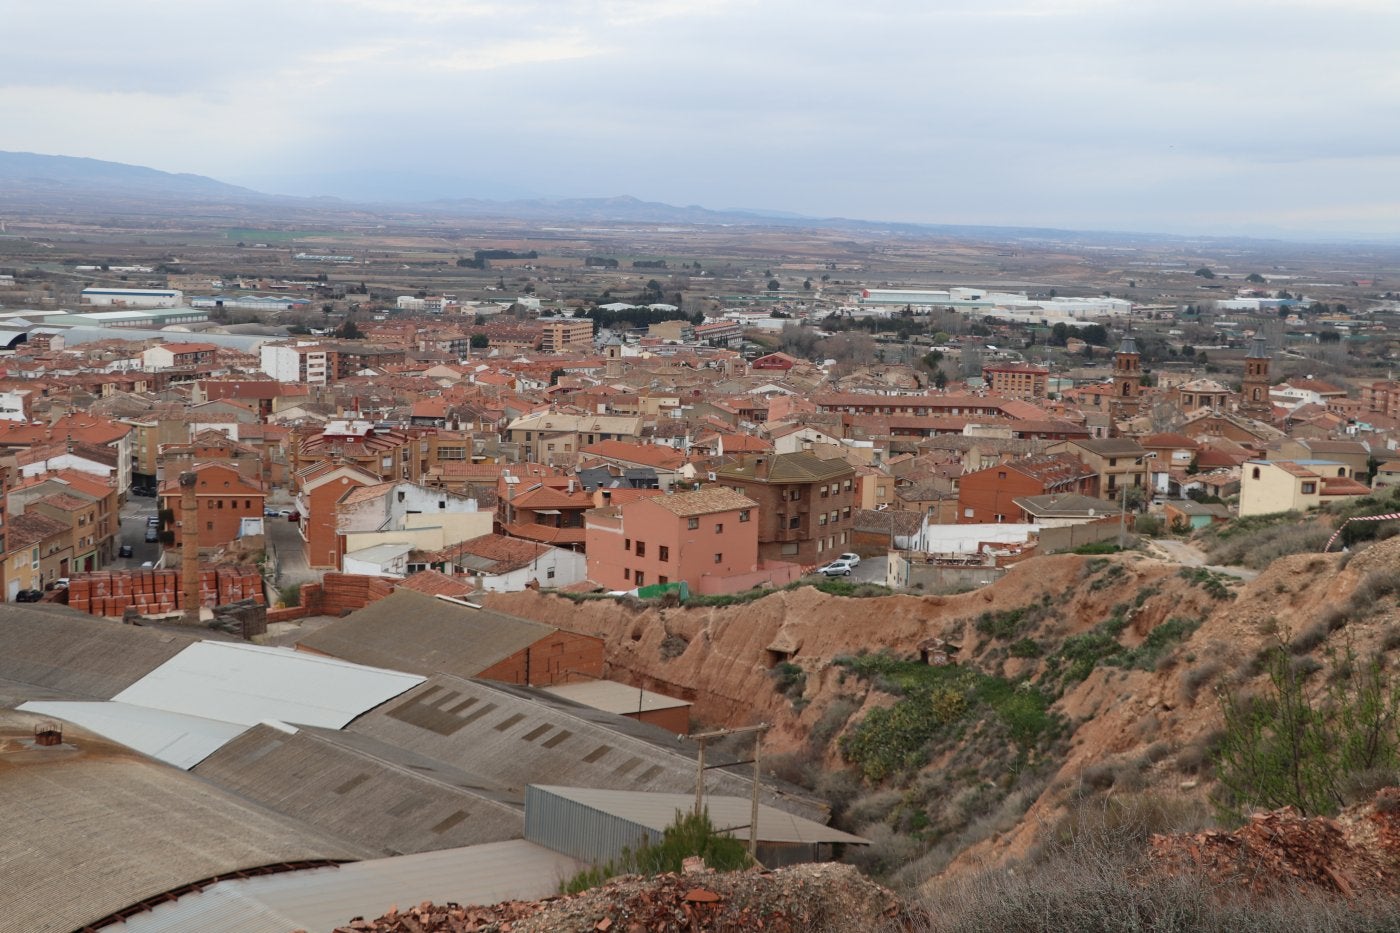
(152, 535)
(124, 551)
(28, 596)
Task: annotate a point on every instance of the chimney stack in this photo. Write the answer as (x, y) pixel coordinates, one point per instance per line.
(189, 547)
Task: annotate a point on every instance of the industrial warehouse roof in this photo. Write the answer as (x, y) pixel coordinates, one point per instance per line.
(613, 697)
(327, 898)
(176, 739)
(93, 828)
(79, 655)
(248, 684)
(371, 794)
(657, 811)
(409, 631)
(513, 736)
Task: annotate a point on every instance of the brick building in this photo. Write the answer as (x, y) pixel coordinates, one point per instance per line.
(1016, 380)
(225, 496)
(988, 496)
(804, 504)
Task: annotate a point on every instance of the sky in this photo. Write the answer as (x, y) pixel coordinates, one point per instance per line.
(1221, 117)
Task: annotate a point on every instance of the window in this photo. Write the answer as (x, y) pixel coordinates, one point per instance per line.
(641, 549)
(1112, 461)
(220, 504)
(821, 519)
(967, 513)
(627, 544)
(693, 524)
(1254, 473)
(209, 526)
(846, 486)
(846, 513)
(1001, 474)
(626, 573)
(663, 580)
(549, 574)
(795, 521)
(819, 545)
(743, 515)
(638, 578)
(247, 503)
(719, 558)
(834, 516)
(663, 553)
(1309, 488)
(794, 494)
(719, 528)
(825, 492)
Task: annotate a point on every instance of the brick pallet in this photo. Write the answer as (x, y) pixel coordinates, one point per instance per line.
(152, 592)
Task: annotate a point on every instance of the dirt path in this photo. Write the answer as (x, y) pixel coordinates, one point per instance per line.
(1188, 555)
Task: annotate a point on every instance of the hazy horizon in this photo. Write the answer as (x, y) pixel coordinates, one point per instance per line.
(1228, 118)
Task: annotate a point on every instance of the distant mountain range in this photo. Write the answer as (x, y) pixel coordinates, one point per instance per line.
(75, 186)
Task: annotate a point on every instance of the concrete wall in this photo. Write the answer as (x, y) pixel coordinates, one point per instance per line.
(1067, 539)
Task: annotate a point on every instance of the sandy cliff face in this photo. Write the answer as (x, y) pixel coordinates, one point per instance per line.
(721, 658)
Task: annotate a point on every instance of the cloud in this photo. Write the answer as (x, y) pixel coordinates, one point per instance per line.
(1066, 112)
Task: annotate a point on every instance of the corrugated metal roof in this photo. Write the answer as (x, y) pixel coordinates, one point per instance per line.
(613, 697)
(92, 827)
(174, 738)
(79, 655)
(383, 798)
(657, 811)
(249, 684)
(410, 631)
(513, 736)
(325, 898)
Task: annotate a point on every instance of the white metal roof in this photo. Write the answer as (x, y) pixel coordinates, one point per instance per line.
(326, 898)
(613, 697)
(247, 684)
(175, 738)
(657, 811)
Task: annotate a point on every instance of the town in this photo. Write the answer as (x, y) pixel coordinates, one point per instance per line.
(410, 541)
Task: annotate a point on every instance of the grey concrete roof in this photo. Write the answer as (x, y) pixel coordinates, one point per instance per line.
(374, 795)
(93, 827)
(513, 736)
(319, 899)
(80, 656)
(614, 697)
(410, 631)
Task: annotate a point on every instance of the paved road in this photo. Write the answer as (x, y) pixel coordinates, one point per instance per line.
(869, 570)
(291, 553)
(133, 532)
(1188, 555)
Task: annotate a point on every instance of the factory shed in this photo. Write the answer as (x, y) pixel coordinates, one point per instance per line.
(249, 684)
(410, 631)
(329, 897)
(93, 828)
(512, 736)
(356, 788)
(595, 826)
(174, 738)
(646, 706)
(75, 655)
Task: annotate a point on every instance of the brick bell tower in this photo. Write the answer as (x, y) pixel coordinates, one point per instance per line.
(1254, 391)
(1127, 381)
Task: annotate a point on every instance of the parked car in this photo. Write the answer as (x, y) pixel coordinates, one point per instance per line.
(271, 513)
(61, 583)
(152, 536)
(152, 521)
(147, 565)
(28, 596)
(852, 559)
(124, 551)
(837, 568)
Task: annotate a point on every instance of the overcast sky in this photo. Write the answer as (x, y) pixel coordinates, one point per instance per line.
(1202, 117)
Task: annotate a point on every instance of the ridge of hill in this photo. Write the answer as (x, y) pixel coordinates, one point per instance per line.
(1071, 678)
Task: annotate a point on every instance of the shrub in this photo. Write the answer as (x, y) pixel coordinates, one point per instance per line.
(1097, 547)
(688, 835)
(1159, 641)
(789, 679)
(1004, 625)
(1200, 675)
(1026, 648)
(673, 646)
(290, 594)
(832, 719)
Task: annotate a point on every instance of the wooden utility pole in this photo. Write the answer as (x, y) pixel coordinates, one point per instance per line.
(701, 768)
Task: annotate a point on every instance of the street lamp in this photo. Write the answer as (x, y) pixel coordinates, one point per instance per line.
(1123, 503)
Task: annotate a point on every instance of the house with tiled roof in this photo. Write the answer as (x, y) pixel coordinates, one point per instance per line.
(989, 495)
(1270, 486)
(707, 538)
(39, 550)
(549, 510)
(230, 504)
(497, 563)
(804, 503)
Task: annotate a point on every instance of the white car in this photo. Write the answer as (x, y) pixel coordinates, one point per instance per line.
(837, 568)
(852, 559)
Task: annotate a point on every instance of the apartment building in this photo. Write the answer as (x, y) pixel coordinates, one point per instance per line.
(804, 504)
(698, 537)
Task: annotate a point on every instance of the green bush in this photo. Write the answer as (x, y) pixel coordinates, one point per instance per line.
(688, 835)
(1159, 641)
(790, 679)
(1097, 547)
(1026, 648)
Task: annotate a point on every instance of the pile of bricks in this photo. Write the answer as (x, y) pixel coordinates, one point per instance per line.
(150, 592)
(342, 593)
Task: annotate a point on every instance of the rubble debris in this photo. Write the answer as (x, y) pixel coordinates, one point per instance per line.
(801, 899)
(1356, 853)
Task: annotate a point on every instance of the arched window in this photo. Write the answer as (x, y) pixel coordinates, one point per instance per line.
(1127, 387)
(1256, 473)
(1256, 393)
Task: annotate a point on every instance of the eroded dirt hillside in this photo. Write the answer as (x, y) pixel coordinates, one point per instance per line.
(1125, 652)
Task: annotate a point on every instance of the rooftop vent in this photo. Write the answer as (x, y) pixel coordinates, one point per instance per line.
(48, 733)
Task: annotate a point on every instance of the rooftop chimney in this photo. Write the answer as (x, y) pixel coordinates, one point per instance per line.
(189, 546)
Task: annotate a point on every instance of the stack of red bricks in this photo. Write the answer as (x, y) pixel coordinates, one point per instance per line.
(151, 592)
(346, 592)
